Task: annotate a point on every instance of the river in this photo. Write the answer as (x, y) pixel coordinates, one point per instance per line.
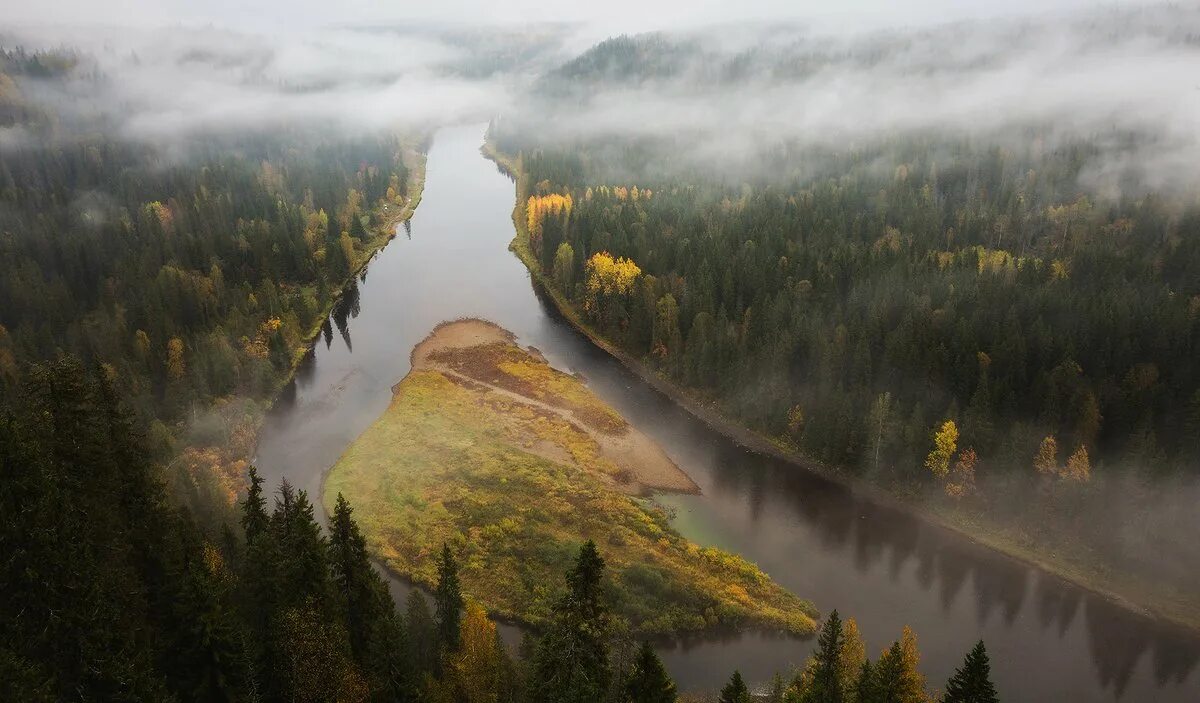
(1048, 640)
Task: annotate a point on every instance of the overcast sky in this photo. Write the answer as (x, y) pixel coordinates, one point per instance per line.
(612, 15)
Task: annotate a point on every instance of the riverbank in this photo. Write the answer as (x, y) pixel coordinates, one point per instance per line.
(1125, 590)
(513, 463)
(222, 468)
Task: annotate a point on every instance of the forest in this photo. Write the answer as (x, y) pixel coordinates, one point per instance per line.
(938, 285)
(959, 320)
(113, 592)
(194, 274)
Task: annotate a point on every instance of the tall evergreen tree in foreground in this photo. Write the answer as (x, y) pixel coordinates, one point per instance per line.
(449, 601)
(254, 508)
(735, 691)
(971, 683)
(376, 632)
(422, 634)
(823, 681)
(571, 663)
(649, 682)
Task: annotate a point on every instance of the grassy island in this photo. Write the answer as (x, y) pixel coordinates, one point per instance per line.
(515, 464)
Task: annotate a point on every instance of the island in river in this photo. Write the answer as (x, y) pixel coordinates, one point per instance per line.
(513, 463)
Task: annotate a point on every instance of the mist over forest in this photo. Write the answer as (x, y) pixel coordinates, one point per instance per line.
(943, 258)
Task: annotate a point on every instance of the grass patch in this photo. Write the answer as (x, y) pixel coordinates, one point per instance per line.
(516, 488)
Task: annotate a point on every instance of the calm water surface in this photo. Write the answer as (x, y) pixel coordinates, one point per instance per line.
(1048, 641)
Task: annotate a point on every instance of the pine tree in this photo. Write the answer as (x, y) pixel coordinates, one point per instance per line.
(735, 691)
(254, 508)
(422, 634)
(449, 599)
(971, 683)
(376, 633)
(864, 687)
(824, 683)
(348, 552)
(571, 664)
(649, 682)
(885, 683)
(306, 575)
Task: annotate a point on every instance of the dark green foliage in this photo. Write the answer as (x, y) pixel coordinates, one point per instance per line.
(824, 684)
(971, 682)
(571, 664)
(108, 593)
(112, 594)
(961, 282)
(648, 682)
(422, 634)
(377, 635)
(254, 508)
(114, 249)
(449, 600)
(884, 683)
(735, 691)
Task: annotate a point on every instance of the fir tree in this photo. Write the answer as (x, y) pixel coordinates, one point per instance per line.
(449, 600)
(422, 634)
(376, 633)
(971, 683)
(572, 660)
(864, 688)
(254, 508)
(649, 682)
(735, 691)
(824, 681)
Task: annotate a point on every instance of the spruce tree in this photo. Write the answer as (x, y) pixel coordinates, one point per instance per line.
(864, 688)
(824, 679)
(649, 682)
(376, 633)
(971, 683)
(422, 634)
(735, 691)
(887, 677)
(449, 600)
(572, 660)
(351, 575)
(254, 508)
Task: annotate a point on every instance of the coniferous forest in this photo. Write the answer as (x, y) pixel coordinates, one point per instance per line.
(964, 324)
(905, 312)
(113, 592)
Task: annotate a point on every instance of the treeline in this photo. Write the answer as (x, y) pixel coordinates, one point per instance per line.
(192, 273)
(854, 315)
(113, 593)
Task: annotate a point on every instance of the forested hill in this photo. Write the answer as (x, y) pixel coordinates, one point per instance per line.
(193, 271)
(111, 592)
(1001, 319)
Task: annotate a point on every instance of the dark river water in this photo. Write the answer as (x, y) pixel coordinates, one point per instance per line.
(1048, 640)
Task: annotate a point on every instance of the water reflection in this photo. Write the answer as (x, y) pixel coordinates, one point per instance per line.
(1049, 640)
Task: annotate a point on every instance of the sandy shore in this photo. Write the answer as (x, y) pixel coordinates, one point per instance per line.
(461, 350)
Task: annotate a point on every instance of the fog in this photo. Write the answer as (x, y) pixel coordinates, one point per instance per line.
(161, 85)
(738, 84)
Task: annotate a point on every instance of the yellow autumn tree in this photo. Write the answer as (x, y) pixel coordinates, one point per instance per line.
(945, 441)
(1078, 468)
(475, 673)
(851, 656)
(607, 278)
(1045, 462)
(912, 681)
(539, 207)
(175, 364)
